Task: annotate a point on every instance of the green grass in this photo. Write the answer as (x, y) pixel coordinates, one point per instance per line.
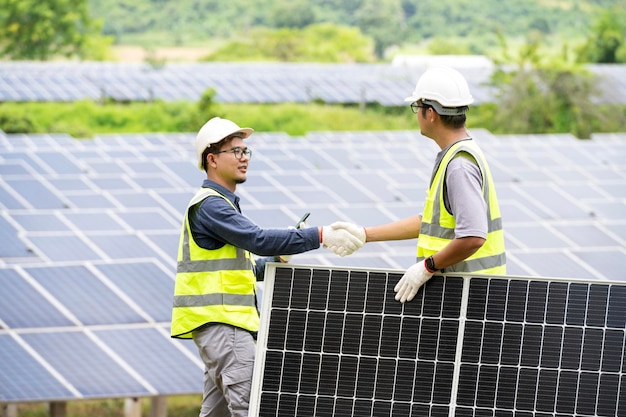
(179, 406)
(84, 119)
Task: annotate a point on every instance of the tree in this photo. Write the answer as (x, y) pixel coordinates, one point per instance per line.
(544, 94)
(607, 42)
(323, 42)
(293, 14)
(383, 20)
(41, 30)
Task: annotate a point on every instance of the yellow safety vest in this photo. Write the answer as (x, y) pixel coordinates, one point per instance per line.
(212, 286)
(438, 224)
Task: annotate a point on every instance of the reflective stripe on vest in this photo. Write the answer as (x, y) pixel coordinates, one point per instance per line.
(437, 229)
(212, 285)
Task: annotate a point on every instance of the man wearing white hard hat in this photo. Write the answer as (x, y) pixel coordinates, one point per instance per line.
(460, 229)
(215, 289)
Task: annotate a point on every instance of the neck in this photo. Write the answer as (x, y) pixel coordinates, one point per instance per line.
(229, 186)
(448, 137)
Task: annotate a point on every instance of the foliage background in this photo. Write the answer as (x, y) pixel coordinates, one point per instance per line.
(543, 41)
(467, 25)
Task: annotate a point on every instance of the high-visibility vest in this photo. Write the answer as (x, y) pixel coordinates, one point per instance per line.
(437, 229)
(212, 286)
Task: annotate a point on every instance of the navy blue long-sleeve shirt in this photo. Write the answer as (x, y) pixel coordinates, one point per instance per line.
(214, 223)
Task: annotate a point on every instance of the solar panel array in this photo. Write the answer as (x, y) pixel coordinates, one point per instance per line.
(245, 82)
(89, 232)
(334, 342)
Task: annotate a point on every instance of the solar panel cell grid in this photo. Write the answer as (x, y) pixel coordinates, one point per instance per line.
(81, 363)
(144, 348)
(335, 338)
(22, 377)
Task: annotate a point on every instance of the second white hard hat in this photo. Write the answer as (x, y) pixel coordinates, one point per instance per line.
(445, 86)
(215, 130)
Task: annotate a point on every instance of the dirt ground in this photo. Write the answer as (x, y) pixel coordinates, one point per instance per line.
(178, 54)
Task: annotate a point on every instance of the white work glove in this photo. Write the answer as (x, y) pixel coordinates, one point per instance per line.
(411, 281)
(356, 231)
(340, 241)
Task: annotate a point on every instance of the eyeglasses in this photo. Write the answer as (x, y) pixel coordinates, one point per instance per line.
(238, 152)
(415, 105)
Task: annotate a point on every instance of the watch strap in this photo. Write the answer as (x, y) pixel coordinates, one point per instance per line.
(430, 265)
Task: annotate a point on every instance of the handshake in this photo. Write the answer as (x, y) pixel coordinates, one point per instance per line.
(342, 238)
(345, 238)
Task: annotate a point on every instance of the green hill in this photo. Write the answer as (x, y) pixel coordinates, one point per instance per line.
(459, 26)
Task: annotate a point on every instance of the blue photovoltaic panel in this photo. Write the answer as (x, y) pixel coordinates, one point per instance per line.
(255, 82)
(335, 342)
(12, 246)
(109, 182)
(59, 163)
(122, 246)
(156, 358)
(610, 262)
(88, 368)
(135, 199)
(167, 243)
(311, 196)
(609, 210)
(63, 248)
(69, 184)
(13, 168)
(105, 167)
(588, 235)
(35, 193)
(18, 299)
(147, 285)
(155, 182)
(147, 220)
(24, 158)
(23, 378)
(90, 200)
(84, 295)
(531, 236)
(93, 221)
(119, 220)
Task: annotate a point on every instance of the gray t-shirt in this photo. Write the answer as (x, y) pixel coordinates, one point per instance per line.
(463, 196)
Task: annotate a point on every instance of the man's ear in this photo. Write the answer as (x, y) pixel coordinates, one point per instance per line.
(210, 160)
(434, 115)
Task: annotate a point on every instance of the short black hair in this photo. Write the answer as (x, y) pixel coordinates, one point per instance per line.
(215, 147)
(453, 122)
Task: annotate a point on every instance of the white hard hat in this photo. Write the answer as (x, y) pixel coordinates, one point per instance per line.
(215, 130)
(445, 89)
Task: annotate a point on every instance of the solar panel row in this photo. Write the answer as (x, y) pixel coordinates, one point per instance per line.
(89, 232)
(90, 330)
(244, 82)
(77, 200)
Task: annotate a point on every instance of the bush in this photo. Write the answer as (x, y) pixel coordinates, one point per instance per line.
(16, 123)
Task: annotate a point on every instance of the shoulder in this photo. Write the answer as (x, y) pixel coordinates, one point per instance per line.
(464, 160)
(463, 168)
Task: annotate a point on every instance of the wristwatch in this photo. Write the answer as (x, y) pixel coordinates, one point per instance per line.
(430, 265)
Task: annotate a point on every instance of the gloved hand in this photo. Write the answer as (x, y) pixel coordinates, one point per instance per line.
(339, 240)
(411, 281)
(356, 231)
